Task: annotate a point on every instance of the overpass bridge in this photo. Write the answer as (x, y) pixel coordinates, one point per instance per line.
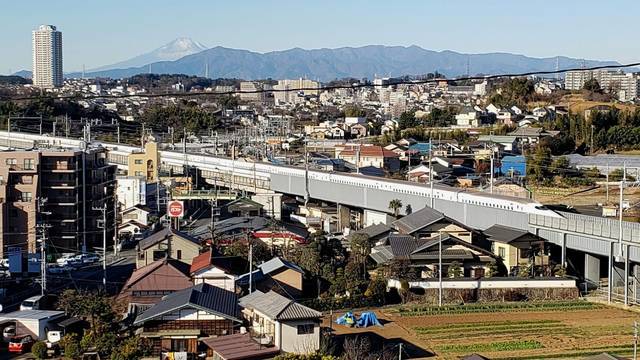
(617, 242)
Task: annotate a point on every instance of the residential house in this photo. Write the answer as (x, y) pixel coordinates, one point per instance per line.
(276, 274)
(167, 243)
(531, 135)
(423, 254)
(238, 347)
(428, 222)
(358, 130)
(468, 117)
(282, 322)
(176, 324)
(371, 155)
(509, 142)
(220, 271)
(242, 207)
(149, 284)
(145, 163)
(377, 234)
(516, 247)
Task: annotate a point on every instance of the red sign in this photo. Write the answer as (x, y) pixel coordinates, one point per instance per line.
(175, 209)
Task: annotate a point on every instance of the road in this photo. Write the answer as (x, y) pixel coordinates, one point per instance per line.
(118, 271)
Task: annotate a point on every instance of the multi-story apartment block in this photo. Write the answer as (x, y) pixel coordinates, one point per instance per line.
(251, 91)
(292, 97)
(47, 57)
(73, 182)
(622, 85)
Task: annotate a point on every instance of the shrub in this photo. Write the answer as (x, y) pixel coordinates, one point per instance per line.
(39, 350)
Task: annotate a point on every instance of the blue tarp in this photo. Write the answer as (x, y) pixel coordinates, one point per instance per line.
(346, 319)
(368, 319)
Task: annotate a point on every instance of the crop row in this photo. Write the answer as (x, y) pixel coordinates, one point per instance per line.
(494, 346)
(557, 329)
(489, 325)
(493, 308)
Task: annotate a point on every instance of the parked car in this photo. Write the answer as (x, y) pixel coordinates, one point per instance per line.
(32, 303)
(68, 260)
(21, 344)
(8, 333)
(90, 259)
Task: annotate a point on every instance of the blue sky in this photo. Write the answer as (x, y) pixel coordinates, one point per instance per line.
(106, 31)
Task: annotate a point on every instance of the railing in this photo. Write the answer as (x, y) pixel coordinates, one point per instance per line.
(588, 225)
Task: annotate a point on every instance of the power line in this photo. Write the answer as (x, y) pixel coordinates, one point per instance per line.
(321, 88)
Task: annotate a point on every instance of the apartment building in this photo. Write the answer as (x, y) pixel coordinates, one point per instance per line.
(293, 97)
(73, 182)
(47, 57)
(622, 85)
(249, 91)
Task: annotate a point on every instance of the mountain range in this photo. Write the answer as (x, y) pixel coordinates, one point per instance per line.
(185, 56)
(174, 50)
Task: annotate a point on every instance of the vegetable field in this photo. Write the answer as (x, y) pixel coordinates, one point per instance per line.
(561, 330)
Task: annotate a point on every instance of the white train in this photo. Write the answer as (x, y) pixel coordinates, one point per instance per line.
(264, 171)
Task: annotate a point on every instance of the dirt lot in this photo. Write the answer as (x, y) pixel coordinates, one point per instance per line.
(570, 334)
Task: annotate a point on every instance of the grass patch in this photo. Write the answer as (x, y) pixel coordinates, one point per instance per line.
(576, 354)
(494, 346)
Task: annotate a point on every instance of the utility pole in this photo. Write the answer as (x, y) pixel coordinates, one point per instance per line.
(250, 265)
(400, 351)
(431, 172)
(591, 149)
(635, 340)
(607, 186)
(40, 124)
(104, 243)
(54, 127)
(43, 229)
(118, 133)
(622, 184)
(491, 175)
(115, 223)
(440, 268)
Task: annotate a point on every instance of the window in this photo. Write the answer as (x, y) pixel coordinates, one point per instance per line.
(29, 164)
(501, 252)
(141, 256)
(139, 173)
(305, 329)
(27, 179)
(179, 254)
(159, 254)
(138, 161)
(26, 197)
(11, 161)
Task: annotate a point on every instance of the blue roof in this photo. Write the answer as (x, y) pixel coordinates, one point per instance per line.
(421, 147)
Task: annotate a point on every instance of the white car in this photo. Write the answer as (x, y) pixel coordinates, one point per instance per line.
(8, 333)
(90, 259)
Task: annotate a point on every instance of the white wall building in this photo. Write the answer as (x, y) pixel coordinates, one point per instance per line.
(47, 57)
(131, 191)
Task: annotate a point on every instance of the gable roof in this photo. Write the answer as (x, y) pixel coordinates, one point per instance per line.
(278, 263)
(418, 220)
(161, 282)
(164, 234)
(138, 207)
(406, 246)
(278, 307)
(205, 297)
(512, 236)
(372, 231)
(239, 346)
(200, 262)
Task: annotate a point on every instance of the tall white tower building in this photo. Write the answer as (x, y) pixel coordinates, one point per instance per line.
(47, 57)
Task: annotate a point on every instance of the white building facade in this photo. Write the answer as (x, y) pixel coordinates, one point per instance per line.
(47, 57)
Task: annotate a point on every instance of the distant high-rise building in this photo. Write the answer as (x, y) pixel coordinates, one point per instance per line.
(47, 57)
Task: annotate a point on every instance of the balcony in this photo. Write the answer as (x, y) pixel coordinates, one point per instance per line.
(58, 167)
(22, 168)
